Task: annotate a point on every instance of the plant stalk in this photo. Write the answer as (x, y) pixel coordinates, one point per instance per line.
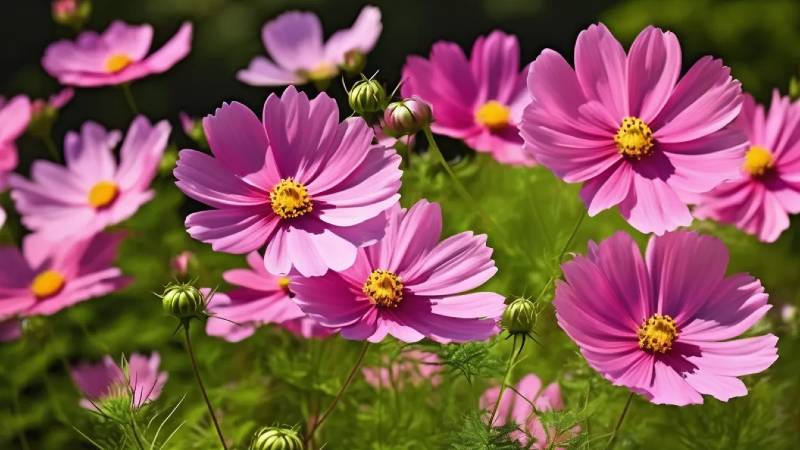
(190, 350)
(612, 440)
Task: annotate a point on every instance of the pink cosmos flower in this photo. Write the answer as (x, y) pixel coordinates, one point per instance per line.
(490, 88)
(664, 326)
(55, 101)
(117, 56)
(92, 191)
(311, 188)
(767, 189)
(14, 117)
(414, 367)
(180, 263)
(140, 379)
(261, 298)
(409, 285)
(630, 130)
(523, 410)
(46, 278)
(294, 41)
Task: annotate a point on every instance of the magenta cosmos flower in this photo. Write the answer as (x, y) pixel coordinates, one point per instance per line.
(139, 380)
(517, 407)
(630, 130)
(412, 367)
(409, 285)
(664, 326)
(767, 190)
(92, 191)
(299, 56)
(14, 117)
(46, 278)
(479, 100)
(262, 298)
(117, 56)
(311, 188)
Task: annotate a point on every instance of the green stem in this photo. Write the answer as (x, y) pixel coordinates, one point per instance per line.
(190, 350)
(340, 394)
(613, 438)
(512, 358)
(135, 432)
(23, 439)
(52, 148)
(126, 89)
(563, 252)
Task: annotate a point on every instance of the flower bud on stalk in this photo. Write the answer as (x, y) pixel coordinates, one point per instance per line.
(367, 98)
(406, 117)
(71, 13)
(183, 301)
(520, 317)
(274, 438)
(354, 62)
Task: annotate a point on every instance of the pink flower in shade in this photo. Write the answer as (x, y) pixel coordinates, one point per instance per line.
(630, 130)
(10, 330)
(117, 56)
(664, 325)
(180, 263)
(139, 379)
(261, 298)
(14, 117)
(311, 188)
(55, 101)
(523, 407)
(92, 191)
(490, 88)
(409, 285)
(46, 278)
(414, 367)
(2, 218)
(767, 189)
(294, 41)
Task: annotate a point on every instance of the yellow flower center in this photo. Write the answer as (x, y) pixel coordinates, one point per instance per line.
(384, 288)
(283, 284)
(757, 161)
(634, 138)
(493, 115)
(47, 284)
(322, 72)
(657, 334)
(117, 62)
(103, 194)
(290, 199)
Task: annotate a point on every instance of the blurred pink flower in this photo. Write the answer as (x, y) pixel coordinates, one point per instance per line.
(180, 263)
(55, 101)
(663, 326)
(409, 285)
(10, 330)
(414, 366)
(311, 188)
(93, 191)
(630, 130)
(261, 299)
(523, 407)
(46, 278)
(117, 56)
(767, 188)
(2, 218)
(294, 41)
(490, 88)
(140, 378)
(14, 117)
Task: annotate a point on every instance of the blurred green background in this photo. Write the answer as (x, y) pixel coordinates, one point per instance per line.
(275, 378)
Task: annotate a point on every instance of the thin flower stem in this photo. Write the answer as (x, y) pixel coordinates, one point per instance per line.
(126, 89)
(340, 394)
(512, 358)
(563, 252)
(190, 350)
(613, 438)
(135, 432)
(52, 148)
(23, 439)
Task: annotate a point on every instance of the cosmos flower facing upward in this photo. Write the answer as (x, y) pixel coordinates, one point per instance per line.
(139, 382)
(46, 278)
(117, 56)
(409, 285)
(311, 188)
(767, 190)
(490, 88)
(14, 117)
(299, 56)
(665, 325)
(630, 130)
(93, 191)
(260, 299)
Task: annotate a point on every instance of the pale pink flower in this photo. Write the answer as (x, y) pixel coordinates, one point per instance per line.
(139, 378)
(14, 117)
(180, 263)
(414, 367)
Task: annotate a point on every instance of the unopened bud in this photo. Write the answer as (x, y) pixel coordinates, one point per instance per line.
(194, 129)
(183, 301)
(520, 316)
(367, 97)
(354, 62)
(71, 13)
(407, 117)
(274, 438)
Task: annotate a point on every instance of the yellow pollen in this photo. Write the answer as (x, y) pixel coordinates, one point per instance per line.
(384, 289)
(657, 334)
(103, 194)
(757, 161)
(290, 199)
(322, 72)
(283, 283)
(634, 138)
(47, 284)
(117, 62)
(493, 115)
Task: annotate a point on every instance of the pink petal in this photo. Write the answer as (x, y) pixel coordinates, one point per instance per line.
(654, 65)
(654, 207)
(132, 41)
(233, 230)
(362, 36)
(177, 48)
(294, 40)
(263, 72)
(600, 64)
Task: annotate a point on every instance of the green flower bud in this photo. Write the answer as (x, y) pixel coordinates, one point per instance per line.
(71, 13)
(406, 117)
(520, 316)
(367, 97)
(354, 62)
(275, 438)
(183, 301)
